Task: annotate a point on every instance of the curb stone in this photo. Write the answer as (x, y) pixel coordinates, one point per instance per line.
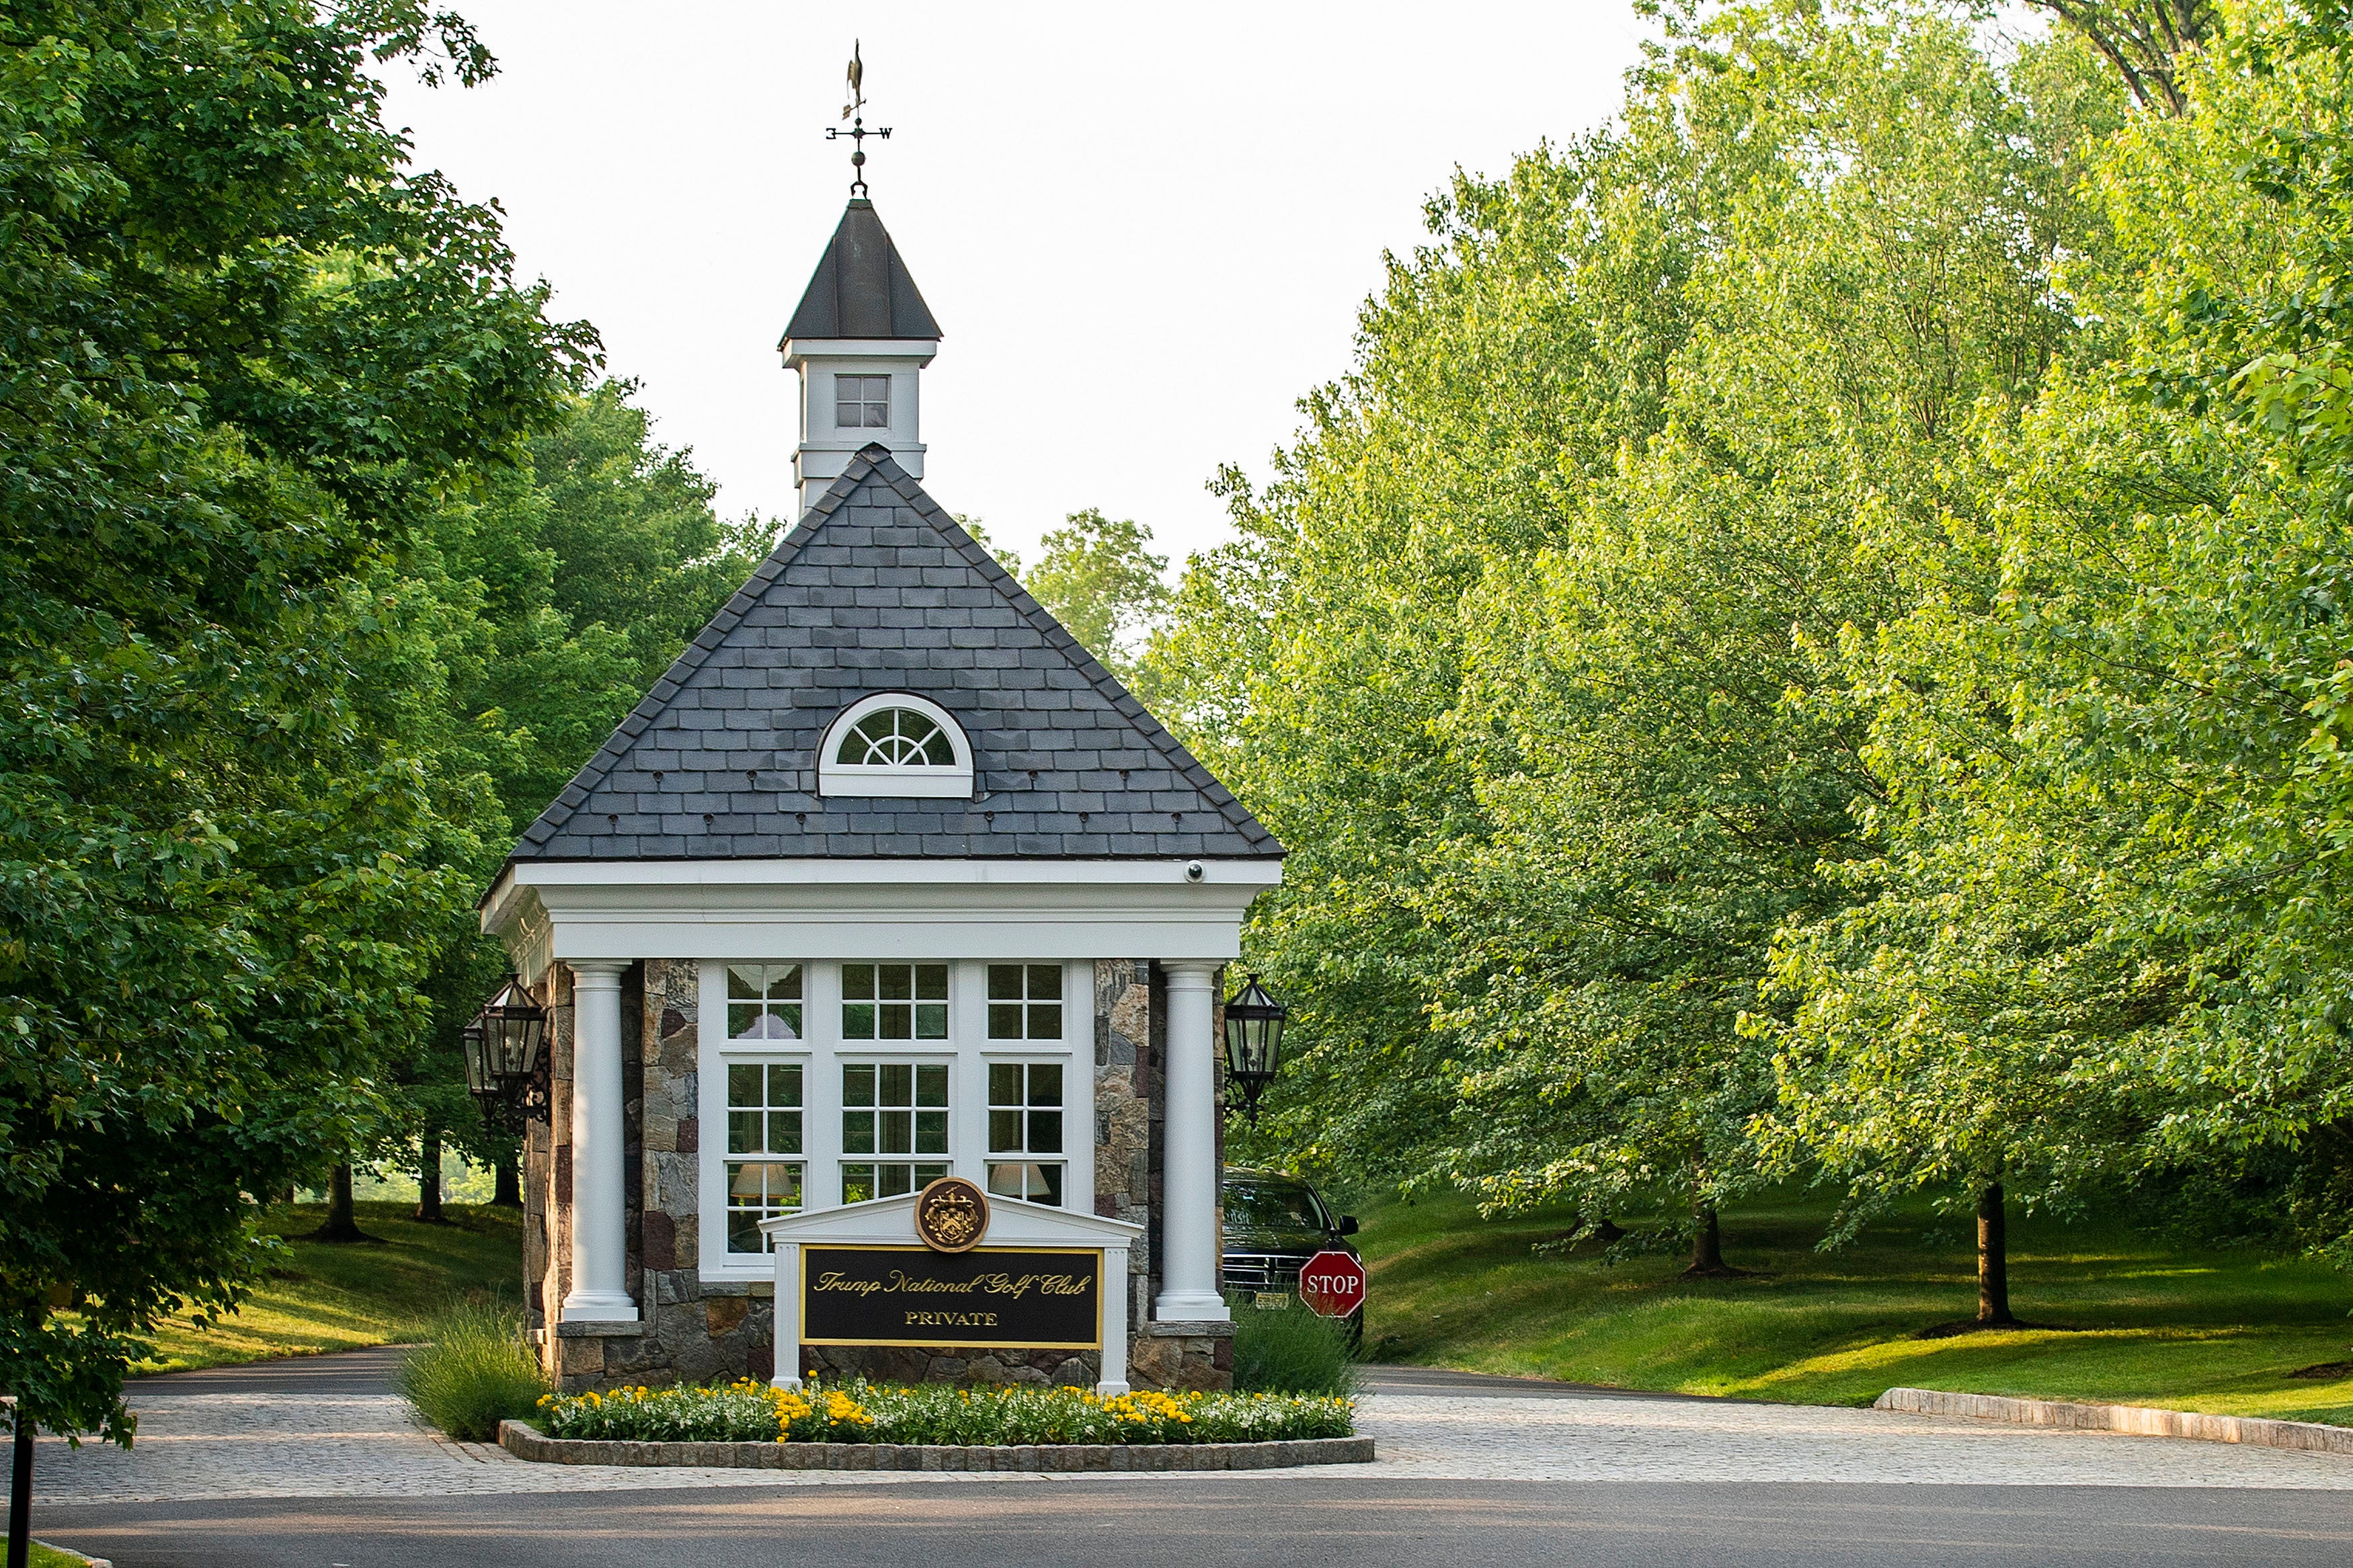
(525, 1441)
(2254, 1431)
(69, 1552)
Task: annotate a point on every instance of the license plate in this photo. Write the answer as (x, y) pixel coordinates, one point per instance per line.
(1271, 1301)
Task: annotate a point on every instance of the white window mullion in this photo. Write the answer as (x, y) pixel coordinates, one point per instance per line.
(1079, 1083)
(824, 1094)
(967, 1028)
(710, 1121)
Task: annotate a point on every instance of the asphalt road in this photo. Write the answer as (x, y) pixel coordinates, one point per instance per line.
(1215, 1522)
(1313, 1516)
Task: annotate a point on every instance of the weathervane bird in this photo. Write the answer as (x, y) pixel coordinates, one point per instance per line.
(857, 134)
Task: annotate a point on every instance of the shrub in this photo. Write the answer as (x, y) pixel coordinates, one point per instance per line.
(745, 1411)
(1290, 1349)
(475, 1373)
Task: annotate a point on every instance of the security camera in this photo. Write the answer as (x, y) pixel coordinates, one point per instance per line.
(1195, 870)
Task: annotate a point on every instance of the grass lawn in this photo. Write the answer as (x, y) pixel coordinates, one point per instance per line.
(340, 1298)
(2148, 1322)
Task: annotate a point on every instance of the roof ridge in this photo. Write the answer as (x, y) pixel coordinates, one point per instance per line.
(1108, 686)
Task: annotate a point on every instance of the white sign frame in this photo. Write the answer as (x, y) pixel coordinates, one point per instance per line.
(891, 1222)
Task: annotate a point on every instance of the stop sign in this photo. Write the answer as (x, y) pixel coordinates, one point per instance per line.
(1333, 1283)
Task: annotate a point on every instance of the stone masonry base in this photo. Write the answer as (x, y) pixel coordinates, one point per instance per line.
(526, 1442)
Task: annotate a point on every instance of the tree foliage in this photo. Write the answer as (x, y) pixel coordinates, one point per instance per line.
(1810, 639)
(2108, 935)
(246, 355)
(1098, 576)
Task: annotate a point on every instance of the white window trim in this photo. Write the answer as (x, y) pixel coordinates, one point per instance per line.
(897, 781)
(820, 1107)
(713, 1262)
(889, 398)
(1071, 1128)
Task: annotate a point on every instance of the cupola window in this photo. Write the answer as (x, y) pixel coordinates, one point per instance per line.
(895, 744)
(861, 402)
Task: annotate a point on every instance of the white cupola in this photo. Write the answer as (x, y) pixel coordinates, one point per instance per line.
(860, 340)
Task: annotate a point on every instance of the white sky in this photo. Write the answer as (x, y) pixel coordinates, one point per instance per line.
(1146, 231)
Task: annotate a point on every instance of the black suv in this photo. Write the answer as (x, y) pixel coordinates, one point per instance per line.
(1274, 1223)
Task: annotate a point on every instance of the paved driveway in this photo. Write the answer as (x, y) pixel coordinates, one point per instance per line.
(316, 1462)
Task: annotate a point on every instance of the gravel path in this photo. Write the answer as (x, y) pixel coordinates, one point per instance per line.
(332, 1428)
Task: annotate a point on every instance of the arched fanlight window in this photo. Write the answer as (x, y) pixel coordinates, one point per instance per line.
(896, 737)
(895, 744)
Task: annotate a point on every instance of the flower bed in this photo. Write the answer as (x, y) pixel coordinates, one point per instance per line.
(934, 1414)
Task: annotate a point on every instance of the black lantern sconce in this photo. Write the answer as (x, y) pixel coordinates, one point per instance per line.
(506, 1058)
(1254, 1022)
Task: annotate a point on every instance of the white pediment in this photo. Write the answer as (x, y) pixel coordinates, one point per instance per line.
(891, 1222)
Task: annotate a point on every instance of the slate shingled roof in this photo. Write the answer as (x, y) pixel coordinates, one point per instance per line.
(860, 288)
(875, 590)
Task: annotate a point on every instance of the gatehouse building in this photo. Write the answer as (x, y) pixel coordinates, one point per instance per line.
(887, 887)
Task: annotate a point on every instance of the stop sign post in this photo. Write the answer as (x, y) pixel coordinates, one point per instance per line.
(1333, 1283)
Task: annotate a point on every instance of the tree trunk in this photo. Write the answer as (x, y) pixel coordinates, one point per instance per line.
(509, 1194)
(339, 1225)
(428, 1180)
(1707, 1240)
(20, 1496)
(1994, 1257)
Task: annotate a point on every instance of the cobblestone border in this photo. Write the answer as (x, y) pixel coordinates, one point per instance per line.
(2311, 1436)
(527, 1442)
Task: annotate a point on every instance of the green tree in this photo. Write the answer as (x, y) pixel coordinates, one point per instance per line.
(1507, 655)
(551, 595)
(2107, 943)
(1667, 797)
(1099, 579)
(246, 353)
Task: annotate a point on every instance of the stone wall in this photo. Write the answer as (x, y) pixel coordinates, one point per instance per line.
(924, 1364)
(547, 1177)
(687, 1331)
(1123, 1116)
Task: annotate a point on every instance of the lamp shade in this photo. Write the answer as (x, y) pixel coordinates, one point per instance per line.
(514, 1029)
(481, 1083)
(1254, 1022)
(503, 1045)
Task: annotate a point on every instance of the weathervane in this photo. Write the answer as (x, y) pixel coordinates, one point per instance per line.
(854, 112)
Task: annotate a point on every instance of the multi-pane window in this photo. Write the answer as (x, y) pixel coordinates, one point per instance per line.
(894, 1001)
(892, 1113)
(763, 1121)
(764, 1001)
(1025, 1122)
(861, 402)
(1025, 1001)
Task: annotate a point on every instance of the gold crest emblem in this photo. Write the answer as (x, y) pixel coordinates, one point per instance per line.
(952, 1215)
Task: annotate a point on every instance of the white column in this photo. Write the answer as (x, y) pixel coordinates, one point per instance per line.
(787, 1337)
(599, 1250)
(1115, 1294)
(1189, 1175)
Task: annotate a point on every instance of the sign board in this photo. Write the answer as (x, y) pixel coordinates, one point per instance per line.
(1333, 1283)
(996, 1298)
